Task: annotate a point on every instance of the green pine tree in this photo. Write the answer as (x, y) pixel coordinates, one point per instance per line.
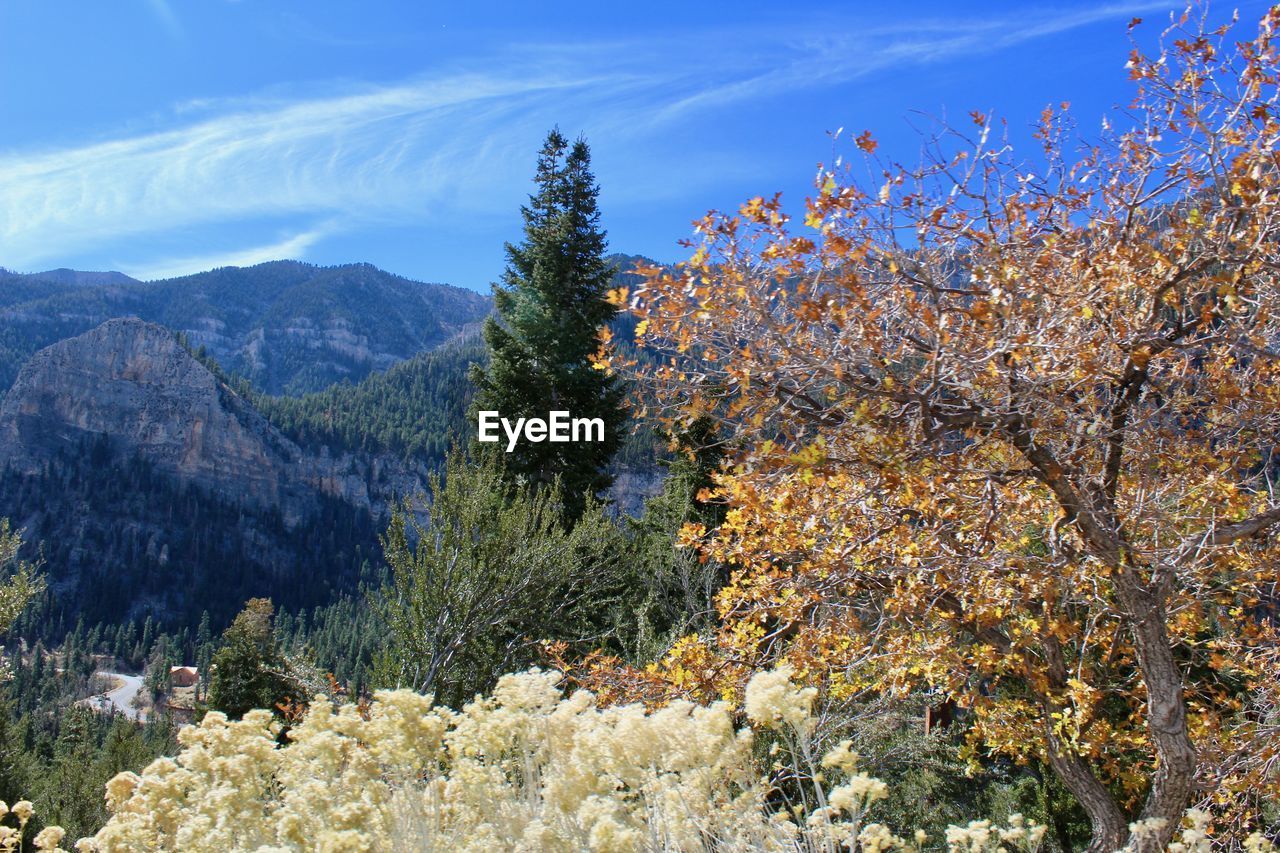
(490, 573)
(550, 307)
(249, 671)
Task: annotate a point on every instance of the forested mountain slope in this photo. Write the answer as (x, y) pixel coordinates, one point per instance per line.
(154, 476)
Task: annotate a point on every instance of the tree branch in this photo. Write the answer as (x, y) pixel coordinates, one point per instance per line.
(1216, 535)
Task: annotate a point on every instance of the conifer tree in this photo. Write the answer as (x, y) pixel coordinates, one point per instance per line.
(248, 671)
(550, 306)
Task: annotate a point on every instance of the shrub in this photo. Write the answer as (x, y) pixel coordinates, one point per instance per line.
(523, 769)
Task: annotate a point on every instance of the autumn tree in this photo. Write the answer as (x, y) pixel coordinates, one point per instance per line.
(1006, 426)
(549, 308)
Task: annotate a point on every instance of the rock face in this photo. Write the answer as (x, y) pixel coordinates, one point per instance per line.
(133, 386)
(133, 383)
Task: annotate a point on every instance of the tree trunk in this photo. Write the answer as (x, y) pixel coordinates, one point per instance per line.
(1143, 602)
(1106, 820)
(1174, 780)
(1108, 824)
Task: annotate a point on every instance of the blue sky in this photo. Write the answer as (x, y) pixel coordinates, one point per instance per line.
(160, 137)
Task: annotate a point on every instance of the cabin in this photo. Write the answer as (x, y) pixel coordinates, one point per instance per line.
(183, 676)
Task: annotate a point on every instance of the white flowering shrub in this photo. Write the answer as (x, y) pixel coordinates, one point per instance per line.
(1194, 836)
(524, 769)
(13, 826)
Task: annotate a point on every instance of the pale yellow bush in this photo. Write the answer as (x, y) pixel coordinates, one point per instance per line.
(11, 835)
(524, 769)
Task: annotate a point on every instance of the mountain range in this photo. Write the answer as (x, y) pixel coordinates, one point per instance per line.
(286, 326)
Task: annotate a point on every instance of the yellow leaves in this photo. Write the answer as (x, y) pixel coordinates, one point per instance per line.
(602, 359)
(1003, 302)
(618, 296)
(811, 456)
(641, 328)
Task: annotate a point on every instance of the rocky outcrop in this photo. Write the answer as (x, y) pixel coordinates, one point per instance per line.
(130, 389)
(632, 487)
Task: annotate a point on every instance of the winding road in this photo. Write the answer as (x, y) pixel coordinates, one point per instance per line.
(122, 697)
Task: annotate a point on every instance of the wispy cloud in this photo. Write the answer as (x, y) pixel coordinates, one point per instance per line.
(445, 142)
(369, 153)
(294, 248)
(165, 13)
(842, 57)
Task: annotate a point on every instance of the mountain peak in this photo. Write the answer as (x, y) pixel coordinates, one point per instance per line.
(288, 327)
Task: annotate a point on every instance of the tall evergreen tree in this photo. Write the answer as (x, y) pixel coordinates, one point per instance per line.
(550, 306)
(249, 671)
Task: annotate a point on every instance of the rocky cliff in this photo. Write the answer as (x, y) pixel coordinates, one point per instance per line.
(122, 454)
(135, 386)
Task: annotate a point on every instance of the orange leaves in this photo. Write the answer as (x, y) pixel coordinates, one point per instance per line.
(764, 212)
(753, 209)
(1137, 65)
(940, 399)
(810, 311)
